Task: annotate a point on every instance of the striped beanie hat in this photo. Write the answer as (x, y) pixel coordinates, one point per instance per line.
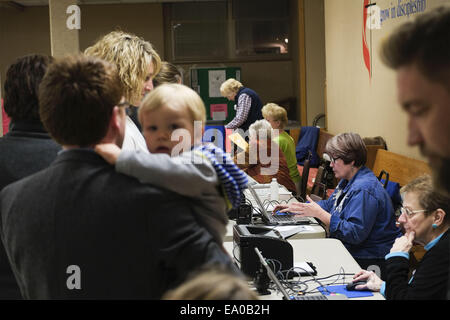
(233, 179)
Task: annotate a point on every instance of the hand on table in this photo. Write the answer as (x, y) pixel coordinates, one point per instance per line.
(373, 281)
(310, 209)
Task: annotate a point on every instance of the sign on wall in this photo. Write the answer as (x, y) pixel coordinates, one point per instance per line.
(377, 13)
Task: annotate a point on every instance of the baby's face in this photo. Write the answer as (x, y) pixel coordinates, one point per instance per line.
(165, 124)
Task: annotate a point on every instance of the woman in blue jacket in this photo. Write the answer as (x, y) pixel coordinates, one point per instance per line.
(359, 212)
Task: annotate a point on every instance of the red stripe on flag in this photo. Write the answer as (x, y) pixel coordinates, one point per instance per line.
(366, 53)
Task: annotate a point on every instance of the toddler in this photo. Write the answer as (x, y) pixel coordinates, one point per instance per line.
(172, 118)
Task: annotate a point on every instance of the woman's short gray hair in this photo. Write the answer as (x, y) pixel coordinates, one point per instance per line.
(260, 128)
(348, 147)
(428, 198)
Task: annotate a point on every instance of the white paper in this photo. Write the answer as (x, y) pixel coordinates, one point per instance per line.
(219, 116)
(304, 267)
(287, 231)
(216, 78)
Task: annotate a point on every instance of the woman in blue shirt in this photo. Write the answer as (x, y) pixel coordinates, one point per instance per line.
(425, 222)
(359, 212)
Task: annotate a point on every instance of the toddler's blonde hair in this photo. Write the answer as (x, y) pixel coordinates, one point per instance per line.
(174, 95)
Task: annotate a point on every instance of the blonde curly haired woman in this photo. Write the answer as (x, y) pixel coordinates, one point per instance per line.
(137, 63)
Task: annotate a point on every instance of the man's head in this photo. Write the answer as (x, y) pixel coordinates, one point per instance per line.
(78, 101)
(419, 51)
(22, 85)
(136, 60)
(169, 73)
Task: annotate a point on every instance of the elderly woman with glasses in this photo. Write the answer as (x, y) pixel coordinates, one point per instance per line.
(425, 221)
(359, 212)
(263, 160)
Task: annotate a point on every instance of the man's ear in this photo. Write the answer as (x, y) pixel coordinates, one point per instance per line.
(114, 124)
(117, 118)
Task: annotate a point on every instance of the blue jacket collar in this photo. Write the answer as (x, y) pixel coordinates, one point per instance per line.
(433, 242)
(345, 184)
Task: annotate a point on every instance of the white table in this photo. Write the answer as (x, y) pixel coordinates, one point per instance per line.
(312, 231)
(329, 256)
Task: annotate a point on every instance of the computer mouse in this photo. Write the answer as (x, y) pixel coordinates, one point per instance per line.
(352, 285)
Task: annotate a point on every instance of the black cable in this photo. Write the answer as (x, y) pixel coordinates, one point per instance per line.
(295, 286)
(234, 256)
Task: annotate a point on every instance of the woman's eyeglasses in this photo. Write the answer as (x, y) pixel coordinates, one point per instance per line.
(409, 212)
(333, 160)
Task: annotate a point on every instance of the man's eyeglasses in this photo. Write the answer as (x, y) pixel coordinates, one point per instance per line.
(409, 212)
(127, 107)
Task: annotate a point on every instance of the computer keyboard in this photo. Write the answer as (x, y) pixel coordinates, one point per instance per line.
(310, 297)
(291, 218)
(281, 218)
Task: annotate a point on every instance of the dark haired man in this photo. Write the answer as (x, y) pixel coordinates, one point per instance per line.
(419, 51)
(27, 147)
(80, 230)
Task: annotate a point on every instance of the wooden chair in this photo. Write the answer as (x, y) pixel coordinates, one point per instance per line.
(372, 154)
(304, 180)
(401, 169)
(372, 145)
(319, 189)
(295, 134)
(324, 136)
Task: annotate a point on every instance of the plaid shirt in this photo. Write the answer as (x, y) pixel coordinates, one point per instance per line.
(243, 108)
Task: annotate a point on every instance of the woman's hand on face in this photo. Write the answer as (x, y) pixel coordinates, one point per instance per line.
(404, 243)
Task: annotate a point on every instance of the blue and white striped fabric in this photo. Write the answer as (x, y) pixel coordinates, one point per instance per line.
(233, 179)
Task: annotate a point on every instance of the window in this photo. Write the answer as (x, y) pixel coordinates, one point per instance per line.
(199, 30)
(262, 27)
(229, 30)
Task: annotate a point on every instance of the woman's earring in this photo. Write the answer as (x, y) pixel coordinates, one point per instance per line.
(434, 226)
